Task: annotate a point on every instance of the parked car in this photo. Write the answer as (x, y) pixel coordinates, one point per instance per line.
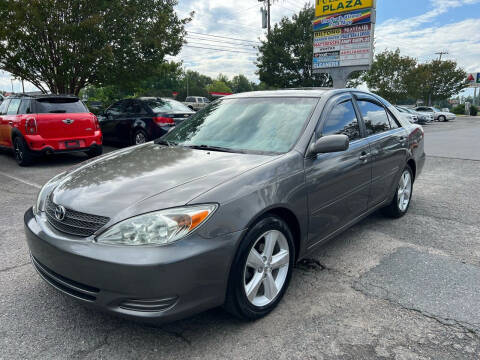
(437, 114)
(407, 115)
(136, 121)
(420, 118)
(45, 124)
(219, 210)
(446, 110)
(196, 102)
(96, 107)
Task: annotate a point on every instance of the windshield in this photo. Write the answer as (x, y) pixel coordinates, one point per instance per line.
(435, 109)
(167, 105)
(270, 125)
(60, 105)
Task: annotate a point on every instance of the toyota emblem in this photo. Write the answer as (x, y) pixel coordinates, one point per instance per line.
(60, 213)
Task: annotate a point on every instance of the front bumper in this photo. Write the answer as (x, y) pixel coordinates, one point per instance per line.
(159, 284)
(41, 145)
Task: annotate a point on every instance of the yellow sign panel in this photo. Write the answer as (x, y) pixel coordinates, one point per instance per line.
(328, 7)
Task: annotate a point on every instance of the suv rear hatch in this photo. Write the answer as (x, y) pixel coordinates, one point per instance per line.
(63, 117)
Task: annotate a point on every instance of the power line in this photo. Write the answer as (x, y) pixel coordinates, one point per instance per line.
(219, 46)
(231, 51)
(195, 38)
(440, 54)
(223, 37)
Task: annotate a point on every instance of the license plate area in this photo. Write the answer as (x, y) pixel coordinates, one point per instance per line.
(72, 144)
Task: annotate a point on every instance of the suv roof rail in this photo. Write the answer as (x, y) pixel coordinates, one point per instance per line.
(39, 96)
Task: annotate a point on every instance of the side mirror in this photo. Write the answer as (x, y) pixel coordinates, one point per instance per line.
(330, 144)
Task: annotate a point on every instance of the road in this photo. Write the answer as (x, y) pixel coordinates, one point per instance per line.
(404, 289)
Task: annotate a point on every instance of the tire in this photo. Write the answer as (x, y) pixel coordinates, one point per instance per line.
(442, 118)
(139, 137)
(261, 273)
(22, 153)
(96, 151)
(398, 207)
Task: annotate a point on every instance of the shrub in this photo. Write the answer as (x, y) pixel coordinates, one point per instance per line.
(459, 110)
(473, 110)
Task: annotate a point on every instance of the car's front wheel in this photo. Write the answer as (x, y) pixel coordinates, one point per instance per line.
(403, 195)
(261, 270)
(442, 118)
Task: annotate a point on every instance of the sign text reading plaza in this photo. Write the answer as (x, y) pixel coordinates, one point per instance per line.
(325, 7)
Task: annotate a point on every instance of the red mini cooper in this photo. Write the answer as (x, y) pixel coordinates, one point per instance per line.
(45, 124)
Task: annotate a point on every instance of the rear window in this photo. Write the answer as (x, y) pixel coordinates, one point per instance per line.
(167, 105)
(60, 105)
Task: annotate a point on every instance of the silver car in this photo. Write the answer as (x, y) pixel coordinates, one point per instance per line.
(219, 210)
(438, 115)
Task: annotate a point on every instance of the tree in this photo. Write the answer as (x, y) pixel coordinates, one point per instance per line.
(389, 75)
(436, 81)
(195, 82)
(65, 45)
(240, 84)
(219, 86)
(286, 57)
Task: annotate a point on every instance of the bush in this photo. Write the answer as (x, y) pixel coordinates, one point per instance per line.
(459, 110)
(473, 110)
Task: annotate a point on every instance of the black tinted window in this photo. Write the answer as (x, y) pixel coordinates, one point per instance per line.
(135, 108)
(342, 120)
(60, 105)
(117, 108)
(25, 107)
(375, 117)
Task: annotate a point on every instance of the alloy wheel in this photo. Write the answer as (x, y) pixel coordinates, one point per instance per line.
(18, 150)
(266, 268)
(404, 191)
(140, 138)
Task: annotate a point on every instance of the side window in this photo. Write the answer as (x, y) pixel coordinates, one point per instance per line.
(375, 117)
(189, 99)
(25, 107)
(4, 107)
(342, 120)
(116, 109)
(135, 108)
(13, 107)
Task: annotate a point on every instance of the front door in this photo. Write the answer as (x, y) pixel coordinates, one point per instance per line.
(338, 184)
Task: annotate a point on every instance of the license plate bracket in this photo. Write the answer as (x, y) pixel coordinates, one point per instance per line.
(72, 144)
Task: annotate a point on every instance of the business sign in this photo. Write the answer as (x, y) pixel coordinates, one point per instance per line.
(341, 20)
(473, 79)
(348, 46)
(328, 7)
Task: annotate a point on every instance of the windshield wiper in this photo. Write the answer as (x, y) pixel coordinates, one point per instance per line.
(164, 142)
(212, 148)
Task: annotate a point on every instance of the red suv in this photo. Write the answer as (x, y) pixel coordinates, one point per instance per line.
(44, 124)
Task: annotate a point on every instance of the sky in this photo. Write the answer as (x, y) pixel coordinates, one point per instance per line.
(420, 28)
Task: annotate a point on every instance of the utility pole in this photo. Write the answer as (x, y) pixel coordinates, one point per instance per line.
(23, 87)
(11, 80)
(269, 8)
(440, 54)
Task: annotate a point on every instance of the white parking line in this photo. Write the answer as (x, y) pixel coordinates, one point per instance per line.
(21, 180)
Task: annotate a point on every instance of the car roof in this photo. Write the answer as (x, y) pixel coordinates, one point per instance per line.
(303, 92)
(42, 96)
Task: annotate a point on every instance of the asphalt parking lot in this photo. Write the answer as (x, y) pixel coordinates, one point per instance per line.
(404, 289)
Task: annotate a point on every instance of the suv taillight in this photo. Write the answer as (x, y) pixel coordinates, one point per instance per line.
(31, 126)
(97, 124)
(164, 121)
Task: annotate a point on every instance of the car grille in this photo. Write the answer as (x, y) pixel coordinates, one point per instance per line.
(67, 286)
(75, 223)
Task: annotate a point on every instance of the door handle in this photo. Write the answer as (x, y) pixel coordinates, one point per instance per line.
(364, 157)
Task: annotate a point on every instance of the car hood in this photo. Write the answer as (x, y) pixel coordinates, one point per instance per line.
(128, 178)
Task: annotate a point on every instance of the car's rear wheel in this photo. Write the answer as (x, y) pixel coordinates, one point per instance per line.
(96, 151)
(139, 137)
(442, 118)
(403, 195)
(22, 152)
(261, 270)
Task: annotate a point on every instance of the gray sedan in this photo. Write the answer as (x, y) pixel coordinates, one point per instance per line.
(219, 210)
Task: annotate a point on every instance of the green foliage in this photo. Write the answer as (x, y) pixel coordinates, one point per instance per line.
(240, 84)
(459, 109)
(65, 45)
(389, 75)
(286, 57)
(219, 86)
(473, 110)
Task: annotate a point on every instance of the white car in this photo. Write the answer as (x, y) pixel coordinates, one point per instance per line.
(415, 116)
(437, 114)
(196, 102)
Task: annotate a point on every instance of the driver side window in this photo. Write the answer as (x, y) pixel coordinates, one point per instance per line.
(342, 120)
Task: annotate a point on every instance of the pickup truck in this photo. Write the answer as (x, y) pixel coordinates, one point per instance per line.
(196, 102)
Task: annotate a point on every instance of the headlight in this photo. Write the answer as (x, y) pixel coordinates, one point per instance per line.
(44, 191)
(157, 228)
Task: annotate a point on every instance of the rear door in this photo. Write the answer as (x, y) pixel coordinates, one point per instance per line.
(388, 143)
(10, 121)
(338, 184)
(109, 121)
(4, 122)
(63, 118)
